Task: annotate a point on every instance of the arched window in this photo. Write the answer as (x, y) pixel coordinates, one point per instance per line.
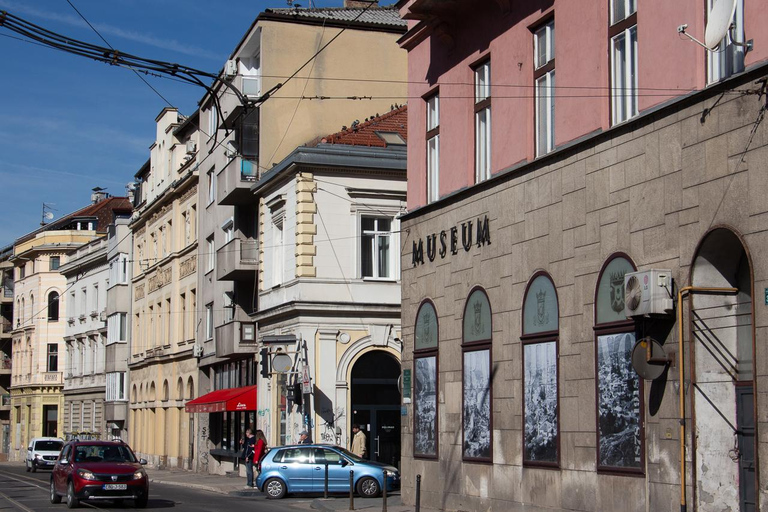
(425, 425)
(166, 397)
(541, 411)
(476, 382)
(53, 307)
(619, 389)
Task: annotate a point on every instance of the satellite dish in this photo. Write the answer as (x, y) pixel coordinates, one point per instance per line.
(649, 358)
(718, 22)
(282, 363)
(48, 215)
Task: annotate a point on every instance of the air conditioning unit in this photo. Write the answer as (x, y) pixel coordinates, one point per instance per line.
(197, 351)
(648, 293)
(230, 69)
(191, 147)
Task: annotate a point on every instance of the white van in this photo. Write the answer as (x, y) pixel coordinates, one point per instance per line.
(43, 452)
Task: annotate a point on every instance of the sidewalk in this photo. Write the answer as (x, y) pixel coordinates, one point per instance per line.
(234, 485)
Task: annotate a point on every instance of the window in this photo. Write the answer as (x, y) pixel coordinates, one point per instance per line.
(183, 319)
(209, 321)
(211, 186)
(623, 50)
(83, 301)
(433, 148)
(118, 270)
(278, 249)
(22, 271)
(425, 417)
(375, 247)
(116, 386)
(541, 426)
(213, 121)
(544, 78)
(117, 327)
(477, 421)
(228, 228)
(483, 121)
(54, 262)
(210, 257)
(618, 387)
(53, 357)
(229, 307)
(729, 56)
(53, 307)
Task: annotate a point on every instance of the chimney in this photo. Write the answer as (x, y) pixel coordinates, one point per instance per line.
(98, 194)
(360, 4)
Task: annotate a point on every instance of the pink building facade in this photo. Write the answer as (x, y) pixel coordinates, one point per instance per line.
(555, 148)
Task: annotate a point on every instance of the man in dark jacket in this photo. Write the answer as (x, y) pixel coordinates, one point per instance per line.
(248, 450)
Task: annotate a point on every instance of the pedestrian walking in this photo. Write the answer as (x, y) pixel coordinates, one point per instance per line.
(249, 444)
(259, 449)
(359, 442)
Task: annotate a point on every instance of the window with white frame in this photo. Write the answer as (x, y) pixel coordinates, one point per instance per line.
(117, 328)
(211, 186)
(118, 270)
(544, 78)
(278, 250)
(623, 51)
(229, 306)
(54, 263)
(433, 148)
(210, 257)
(116, 387)
(213, 121)
(483, 121)
(376, 253)
(728, 58)
(209, 321)
(228, 228)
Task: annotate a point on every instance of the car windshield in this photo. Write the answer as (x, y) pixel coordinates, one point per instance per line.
(102, 453)
(48, 446)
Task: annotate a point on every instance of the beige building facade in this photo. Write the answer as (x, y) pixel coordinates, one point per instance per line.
(162, 365)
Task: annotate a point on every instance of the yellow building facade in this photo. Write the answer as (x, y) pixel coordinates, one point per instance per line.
(162, 364)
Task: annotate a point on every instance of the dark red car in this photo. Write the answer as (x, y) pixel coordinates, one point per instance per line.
(99, 470)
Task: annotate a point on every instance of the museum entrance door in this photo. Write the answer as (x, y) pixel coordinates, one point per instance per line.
(376, 405)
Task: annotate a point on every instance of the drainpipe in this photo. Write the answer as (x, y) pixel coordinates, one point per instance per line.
(686, 290)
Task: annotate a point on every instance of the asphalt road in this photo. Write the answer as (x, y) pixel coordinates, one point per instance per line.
(22, 491)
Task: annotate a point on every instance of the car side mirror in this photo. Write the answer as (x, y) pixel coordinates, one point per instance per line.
(143, 462)
(63, 461)
(344, 463)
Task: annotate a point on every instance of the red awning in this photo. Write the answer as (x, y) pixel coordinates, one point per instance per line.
(223, 400)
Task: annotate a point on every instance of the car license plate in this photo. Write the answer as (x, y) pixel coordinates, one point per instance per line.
(115, 487)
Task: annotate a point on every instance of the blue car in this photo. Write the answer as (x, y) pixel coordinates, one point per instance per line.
(301, 468)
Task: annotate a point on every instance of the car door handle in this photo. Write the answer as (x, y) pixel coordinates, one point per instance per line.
(283, 467)
(318, 468)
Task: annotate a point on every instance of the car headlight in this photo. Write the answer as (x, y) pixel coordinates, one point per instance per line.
(37, 456)
(86, 475)
(139, 474)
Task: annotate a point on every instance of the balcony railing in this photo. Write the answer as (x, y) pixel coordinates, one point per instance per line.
(6, 325)
(7, 291)
(237, 259)
(53, 378)
(233, 183)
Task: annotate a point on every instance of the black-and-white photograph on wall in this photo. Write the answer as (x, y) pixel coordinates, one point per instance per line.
(618, 402)
(477, 404)
(540, 382)
(425, 403)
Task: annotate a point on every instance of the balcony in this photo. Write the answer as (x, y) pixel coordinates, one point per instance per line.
(6, 293)
(5, 402)
(5, 364)
(237, 259)
(233, 183)
(235, 337)
(6, 326)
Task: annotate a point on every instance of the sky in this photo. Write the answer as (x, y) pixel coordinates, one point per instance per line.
(69, 124)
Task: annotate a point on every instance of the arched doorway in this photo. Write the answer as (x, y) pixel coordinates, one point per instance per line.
(376, 404)
(722, 379)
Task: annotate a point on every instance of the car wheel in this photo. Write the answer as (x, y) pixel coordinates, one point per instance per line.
(55, 498)
(72, 501)
(275, 489)
(26, 464)
(141, 502)
(368, 487)
(34, 467)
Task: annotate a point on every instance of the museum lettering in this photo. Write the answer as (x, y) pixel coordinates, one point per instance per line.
(439, 244)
